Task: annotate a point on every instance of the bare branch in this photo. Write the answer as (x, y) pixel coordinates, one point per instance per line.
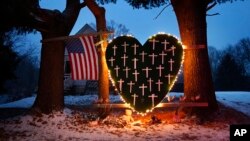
(211, 6)
(162, 11)
(99, 13)
(215, 14)
(83, 4)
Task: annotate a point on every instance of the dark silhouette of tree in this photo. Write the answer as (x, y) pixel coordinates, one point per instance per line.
(230, 75)
(214, 57)
(27, 72)
(9, 59)
(26, 15)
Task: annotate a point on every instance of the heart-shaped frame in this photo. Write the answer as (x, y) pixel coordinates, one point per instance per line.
(144, 74)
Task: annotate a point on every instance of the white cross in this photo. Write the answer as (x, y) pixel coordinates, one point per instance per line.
(135, 62)
(143, 87)
(172, 49)
(114, 48)
(124, 59)
(153, 58)
(130, 86)
(165, 43)
(169, 77)
(125, 46)
(120, 84)
(142, 55)
(116, 70)
(153, 41)
(134, 96)
(112, 61)
(171, 64)
(126, 70)
(160, 68)
(150, 84)
(162, 54)
(135, 74)
(159, 84)
(135, 46)
(147, 69)
(153, 96)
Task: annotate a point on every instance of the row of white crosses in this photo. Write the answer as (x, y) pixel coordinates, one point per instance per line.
(124, 58)
(143, 86)
(152, 96)
(152, 56)
(136, 73)
(135, 46)
(135, 60)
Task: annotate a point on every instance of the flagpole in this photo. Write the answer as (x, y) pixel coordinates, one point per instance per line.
(75, 36)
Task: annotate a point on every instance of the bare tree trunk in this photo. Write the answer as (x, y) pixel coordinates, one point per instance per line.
(50, 92)
(191, 16)
(99, 13)
(53, 24)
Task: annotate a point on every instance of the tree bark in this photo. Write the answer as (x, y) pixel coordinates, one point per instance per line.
(53, 24)
(50, 94)
(99, 13)
(191, 16)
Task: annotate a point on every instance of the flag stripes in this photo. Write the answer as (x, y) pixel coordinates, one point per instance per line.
(83, 58)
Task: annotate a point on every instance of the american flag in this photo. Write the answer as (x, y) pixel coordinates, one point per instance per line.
(83, 58)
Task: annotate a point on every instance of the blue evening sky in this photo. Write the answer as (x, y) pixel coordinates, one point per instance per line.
(229, 27)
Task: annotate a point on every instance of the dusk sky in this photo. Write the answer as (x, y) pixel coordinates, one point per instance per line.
(229, 27)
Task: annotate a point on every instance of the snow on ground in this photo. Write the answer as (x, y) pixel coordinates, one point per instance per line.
(239, 101)
(76, 125)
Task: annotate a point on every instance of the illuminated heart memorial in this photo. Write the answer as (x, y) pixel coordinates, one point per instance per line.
(144, 74)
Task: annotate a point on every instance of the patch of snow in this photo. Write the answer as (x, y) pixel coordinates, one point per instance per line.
(237, 100)
(22, 103)
(69, 125)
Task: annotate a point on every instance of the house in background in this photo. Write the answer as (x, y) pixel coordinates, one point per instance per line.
(78, 86)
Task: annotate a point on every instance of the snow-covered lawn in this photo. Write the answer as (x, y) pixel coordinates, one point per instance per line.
(77, 125)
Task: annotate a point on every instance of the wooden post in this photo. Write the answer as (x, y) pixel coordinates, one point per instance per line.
(103, 71)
